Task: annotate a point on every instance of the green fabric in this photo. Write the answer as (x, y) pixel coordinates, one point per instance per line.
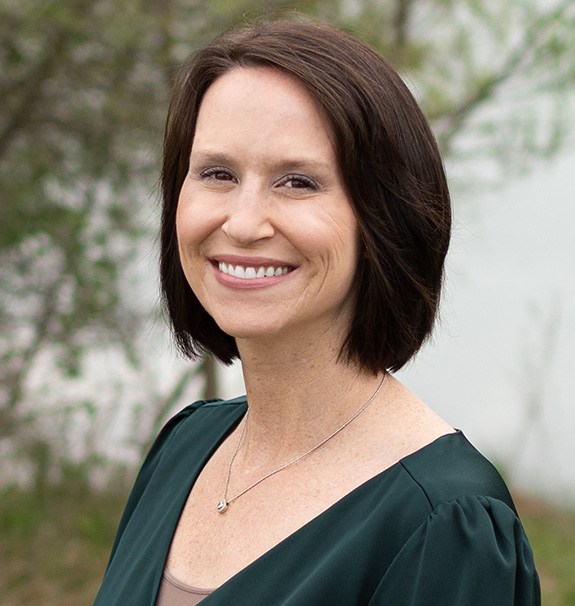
(438, 528)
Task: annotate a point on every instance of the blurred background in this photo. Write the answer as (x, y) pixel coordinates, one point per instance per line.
(87, 371)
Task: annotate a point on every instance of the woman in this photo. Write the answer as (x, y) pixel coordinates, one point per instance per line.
(305, 224)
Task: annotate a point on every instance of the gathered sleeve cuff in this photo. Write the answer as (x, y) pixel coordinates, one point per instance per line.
(471, 551)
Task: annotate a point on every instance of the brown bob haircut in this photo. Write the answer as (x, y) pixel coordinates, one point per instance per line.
(390, 165)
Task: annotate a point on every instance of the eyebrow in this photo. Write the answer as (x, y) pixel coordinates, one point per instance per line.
(293, 163)
(211, 157)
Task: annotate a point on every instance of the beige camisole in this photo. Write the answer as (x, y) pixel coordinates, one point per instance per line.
(175, 593)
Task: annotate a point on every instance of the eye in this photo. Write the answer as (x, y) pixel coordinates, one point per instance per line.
(300, 182)
(216, 173)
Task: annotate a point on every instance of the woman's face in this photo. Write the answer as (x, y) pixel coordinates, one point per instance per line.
(266, 232)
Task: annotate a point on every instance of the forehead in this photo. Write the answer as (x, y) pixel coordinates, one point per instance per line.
(244, 81)
(261, 101)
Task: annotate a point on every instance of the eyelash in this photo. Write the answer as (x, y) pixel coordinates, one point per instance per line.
(216, 173)
(222, 174)
(307, 182)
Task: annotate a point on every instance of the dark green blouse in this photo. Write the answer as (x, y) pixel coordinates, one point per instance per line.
(438, 528)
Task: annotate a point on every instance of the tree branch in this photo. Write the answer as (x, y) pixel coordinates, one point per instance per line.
(55, 50)
(451, 120)
(401, 20)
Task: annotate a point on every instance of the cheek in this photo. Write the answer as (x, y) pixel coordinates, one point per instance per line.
(188, 240)
(185, 209)
(184, 227)
(325, 227)
(199, 216)
(192, 224)
(188, 249)
(182, 214)
(345, 240)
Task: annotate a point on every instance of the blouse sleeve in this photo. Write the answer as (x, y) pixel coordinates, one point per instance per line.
(148, 468)
(470, 552)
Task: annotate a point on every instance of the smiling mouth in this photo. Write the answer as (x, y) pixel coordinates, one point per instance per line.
(249, 273)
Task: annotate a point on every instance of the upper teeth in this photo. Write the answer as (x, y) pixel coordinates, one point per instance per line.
(251, 272)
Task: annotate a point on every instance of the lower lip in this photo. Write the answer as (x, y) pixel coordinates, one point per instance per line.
(249, 283)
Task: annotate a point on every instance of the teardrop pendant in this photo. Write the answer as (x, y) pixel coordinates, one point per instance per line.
(222, 506)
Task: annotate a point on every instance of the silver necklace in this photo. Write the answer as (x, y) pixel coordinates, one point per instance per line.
(224, 503)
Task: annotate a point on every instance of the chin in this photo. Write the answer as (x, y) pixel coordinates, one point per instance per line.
(250, 334)
(248, 330)
(244, 329)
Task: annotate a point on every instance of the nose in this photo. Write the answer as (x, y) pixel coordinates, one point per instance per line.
(248, 217)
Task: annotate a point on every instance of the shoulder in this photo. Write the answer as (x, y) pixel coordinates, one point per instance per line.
(471, 551)
(450, 468)
(432, 486)
(203, 421)
(201, 411)
(182, 443)
(469, 547)
(195, 426)
(211, 405)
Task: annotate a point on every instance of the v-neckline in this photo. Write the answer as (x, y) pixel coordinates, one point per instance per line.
(224, 432)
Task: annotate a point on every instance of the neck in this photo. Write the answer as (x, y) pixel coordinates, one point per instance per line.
(297, 399)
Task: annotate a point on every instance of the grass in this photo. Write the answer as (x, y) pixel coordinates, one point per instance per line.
(54, 545)
(552, 536)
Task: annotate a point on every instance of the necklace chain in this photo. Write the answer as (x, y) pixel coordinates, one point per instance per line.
(224, 503)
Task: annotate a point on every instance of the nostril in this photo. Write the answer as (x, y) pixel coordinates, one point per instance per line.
(247, 227)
